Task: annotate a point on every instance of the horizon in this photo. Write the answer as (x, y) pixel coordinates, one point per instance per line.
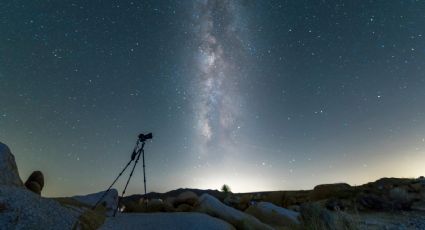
(261, 96)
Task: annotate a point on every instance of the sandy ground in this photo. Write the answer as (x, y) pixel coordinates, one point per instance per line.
(153, 221)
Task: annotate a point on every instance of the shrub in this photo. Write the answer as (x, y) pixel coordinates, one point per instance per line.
(225, 188)
(400, 199)
(314, 217)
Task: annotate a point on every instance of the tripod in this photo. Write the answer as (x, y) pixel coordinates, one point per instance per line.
(135, 156)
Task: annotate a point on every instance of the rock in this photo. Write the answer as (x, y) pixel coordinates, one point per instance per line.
(8, 170)
(155, 205)
(273, 215)
(187, 197)
(26, 210)
(184, 208)
(324, 191)
(389, 183)
(35, 182)
(33, 187)
(109, 201)
(213, 207)
(168, 204)
(38, 177)
(170, 200)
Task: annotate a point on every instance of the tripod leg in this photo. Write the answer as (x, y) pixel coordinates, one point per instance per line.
(106, 192)
(144, 173)
(128, 180)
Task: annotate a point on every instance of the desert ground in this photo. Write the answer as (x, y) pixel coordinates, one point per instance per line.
(387, 203)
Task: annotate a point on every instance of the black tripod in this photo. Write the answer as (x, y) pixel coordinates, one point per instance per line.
(137, 151)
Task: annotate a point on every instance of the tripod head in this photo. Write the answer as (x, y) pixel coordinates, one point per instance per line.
(143, 137)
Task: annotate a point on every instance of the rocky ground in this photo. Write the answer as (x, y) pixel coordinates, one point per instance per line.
(388, 203)
(157, 221)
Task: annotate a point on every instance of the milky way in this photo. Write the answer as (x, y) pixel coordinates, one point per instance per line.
(260, 95)
(218, 99)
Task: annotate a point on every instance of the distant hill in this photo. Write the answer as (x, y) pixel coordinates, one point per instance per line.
(174, 193)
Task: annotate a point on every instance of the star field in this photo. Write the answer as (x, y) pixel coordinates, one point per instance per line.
(260, 95)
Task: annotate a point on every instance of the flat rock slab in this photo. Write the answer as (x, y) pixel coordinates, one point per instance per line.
(153, 221)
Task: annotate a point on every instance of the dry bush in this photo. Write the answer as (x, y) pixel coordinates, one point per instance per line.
(400, 199)
(314, 217)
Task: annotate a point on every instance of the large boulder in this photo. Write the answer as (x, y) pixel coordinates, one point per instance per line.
(23, 209)
(109, 201)
(212, 206)
(273, 215)
(154, 205)
(187, 197)
(325, 191)
(8, 170)
(35, 182)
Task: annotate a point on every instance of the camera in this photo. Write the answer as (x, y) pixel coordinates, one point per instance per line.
(143, 137)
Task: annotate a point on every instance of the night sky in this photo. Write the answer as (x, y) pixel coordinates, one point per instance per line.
(259, 95)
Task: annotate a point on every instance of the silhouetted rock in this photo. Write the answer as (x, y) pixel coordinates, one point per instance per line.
(324, 191)
(35, 182)
(8, 170)
(33, 187)
(389, 183)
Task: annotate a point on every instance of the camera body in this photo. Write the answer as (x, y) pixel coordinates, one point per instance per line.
(144, 137)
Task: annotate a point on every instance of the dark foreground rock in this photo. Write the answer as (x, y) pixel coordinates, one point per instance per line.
(35, 182)
(8, 170)
(23, 209)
